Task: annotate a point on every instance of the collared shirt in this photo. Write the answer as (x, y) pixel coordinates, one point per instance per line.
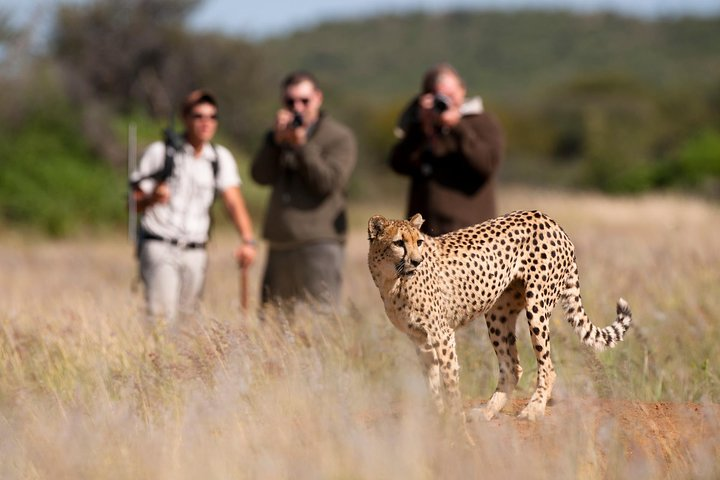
(186, 216)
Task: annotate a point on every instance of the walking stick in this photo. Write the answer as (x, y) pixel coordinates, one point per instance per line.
(133, 225)
(243, 289)
(131, 167)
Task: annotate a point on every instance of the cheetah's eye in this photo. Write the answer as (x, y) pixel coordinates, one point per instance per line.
(419, 242)
(398, 243)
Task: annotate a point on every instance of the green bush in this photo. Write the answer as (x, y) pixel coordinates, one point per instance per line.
(50, 180)
(694, 164)
(699, 157)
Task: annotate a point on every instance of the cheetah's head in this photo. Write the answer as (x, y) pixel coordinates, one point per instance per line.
(396, 246)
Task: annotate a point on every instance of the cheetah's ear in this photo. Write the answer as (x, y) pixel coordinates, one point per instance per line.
(417, 221)
(376, 225)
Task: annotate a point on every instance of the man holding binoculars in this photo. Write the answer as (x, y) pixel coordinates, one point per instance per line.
(451, 148)
(307, 158)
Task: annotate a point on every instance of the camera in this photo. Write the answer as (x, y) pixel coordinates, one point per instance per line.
(441, 103)
(297, 120)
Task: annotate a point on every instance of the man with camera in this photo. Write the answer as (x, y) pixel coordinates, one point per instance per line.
(174, 188)
(307, 158)
(451, 149)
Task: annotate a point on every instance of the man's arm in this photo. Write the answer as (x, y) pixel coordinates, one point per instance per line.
(265, 167)
(405, 155)
(148, 191)
(478, 139)
(328, 167)
(418, 121)
(235, 205)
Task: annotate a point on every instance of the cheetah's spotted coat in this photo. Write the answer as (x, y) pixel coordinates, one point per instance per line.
(432, 286)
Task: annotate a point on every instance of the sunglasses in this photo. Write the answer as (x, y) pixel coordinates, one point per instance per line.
(290, 102)
(200, 116)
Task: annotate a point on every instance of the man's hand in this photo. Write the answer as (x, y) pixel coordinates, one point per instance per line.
(450, 117)
(161, 193)
(285, 133)
(432, 120)
(245, 254)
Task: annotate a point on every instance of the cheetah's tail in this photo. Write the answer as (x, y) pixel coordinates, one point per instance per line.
(589, 334)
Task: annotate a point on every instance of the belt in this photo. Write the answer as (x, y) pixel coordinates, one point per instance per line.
(173, 241)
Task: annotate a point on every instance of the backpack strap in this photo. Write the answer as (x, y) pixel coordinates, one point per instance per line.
(163, 173)
(166, 171)
(173, 144)
(215, 163)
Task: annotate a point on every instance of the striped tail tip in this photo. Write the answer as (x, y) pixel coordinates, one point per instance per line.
(623, 308)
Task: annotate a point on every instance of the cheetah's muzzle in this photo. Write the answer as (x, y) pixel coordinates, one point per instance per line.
(406, 268)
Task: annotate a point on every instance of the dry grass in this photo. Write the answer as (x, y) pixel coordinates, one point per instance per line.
(86, 392)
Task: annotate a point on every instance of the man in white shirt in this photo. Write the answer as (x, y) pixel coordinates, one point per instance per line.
(174, 190)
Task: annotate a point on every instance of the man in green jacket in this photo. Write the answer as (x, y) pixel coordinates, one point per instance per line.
(307, 158)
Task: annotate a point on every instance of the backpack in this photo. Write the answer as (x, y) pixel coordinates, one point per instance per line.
(173, 143)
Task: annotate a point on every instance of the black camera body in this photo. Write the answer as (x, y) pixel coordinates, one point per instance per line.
(297, 120)
(441, 103)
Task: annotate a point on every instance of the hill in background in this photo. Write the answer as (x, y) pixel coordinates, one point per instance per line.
(509, 56)
(599, 100)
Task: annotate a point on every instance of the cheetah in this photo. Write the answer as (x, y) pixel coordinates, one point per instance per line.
(432, 286)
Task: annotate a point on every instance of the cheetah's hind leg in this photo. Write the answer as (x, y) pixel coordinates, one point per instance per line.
(538, 315)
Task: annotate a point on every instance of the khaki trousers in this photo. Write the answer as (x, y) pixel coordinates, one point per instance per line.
(174, 278)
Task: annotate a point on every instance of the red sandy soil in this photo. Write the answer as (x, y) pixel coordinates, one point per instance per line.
(661, 438)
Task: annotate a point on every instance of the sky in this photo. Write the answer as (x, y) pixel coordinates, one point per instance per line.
(263, 18)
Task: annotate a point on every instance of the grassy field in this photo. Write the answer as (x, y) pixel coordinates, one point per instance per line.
(87, 392)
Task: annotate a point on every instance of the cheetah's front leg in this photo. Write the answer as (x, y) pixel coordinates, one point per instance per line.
(438, 357)
(431, 365)
(450, 370)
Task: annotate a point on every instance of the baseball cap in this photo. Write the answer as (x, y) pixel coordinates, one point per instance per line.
(197, 97)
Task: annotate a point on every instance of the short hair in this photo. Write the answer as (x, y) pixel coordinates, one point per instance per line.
(195, 98)
(299, 76)
(431, 77)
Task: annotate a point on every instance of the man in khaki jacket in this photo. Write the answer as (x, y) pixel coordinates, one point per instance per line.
(307, 158)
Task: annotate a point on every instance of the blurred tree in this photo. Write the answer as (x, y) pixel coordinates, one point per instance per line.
(6, 30)
(609, 122)
(49, 178)
(232, 69)
(122, 52)
(117, 57)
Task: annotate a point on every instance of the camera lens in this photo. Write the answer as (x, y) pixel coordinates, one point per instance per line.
(297, 120)
(441, 103)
